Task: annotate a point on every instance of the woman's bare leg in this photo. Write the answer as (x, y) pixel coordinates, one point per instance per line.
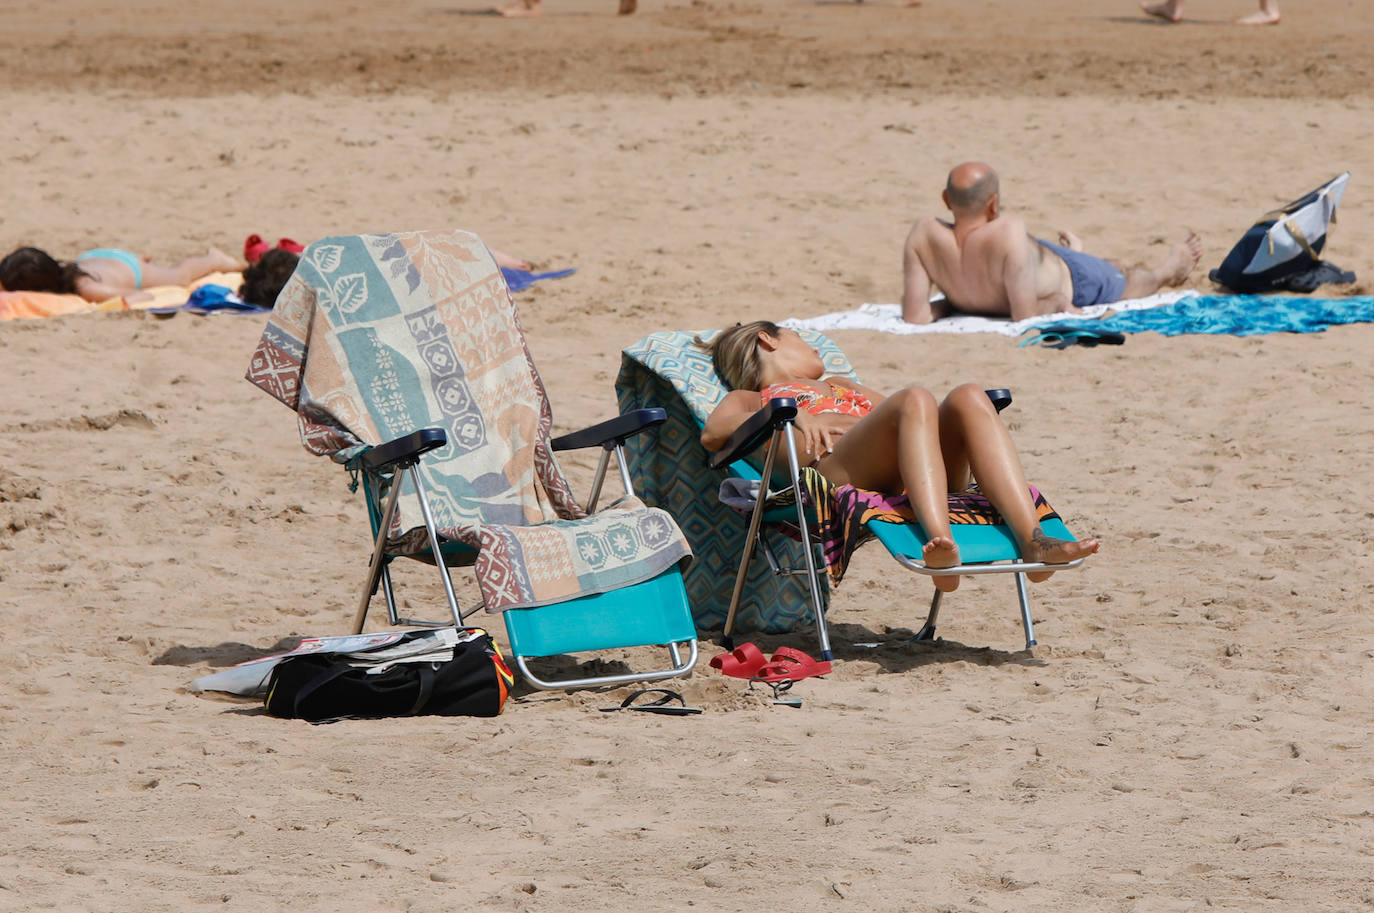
(896, 448)
(974, 440)
(190, 269)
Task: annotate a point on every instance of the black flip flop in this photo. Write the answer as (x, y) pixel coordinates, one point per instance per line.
(662, 705)
(1061, 336)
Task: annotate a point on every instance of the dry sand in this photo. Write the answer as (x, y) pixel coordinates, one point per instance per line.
(1194, 732)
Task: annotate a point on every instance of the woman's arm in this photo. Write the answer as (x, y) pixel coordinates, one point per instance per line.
(732, 412)
(95, 291)
(874, 396)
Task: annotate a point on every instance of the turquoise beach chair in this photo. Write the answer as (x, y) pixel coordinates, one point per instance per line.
(727, 588)
(403, 356)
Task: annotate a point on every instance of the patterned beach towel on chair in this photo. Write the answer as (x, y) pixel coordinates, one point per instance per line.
(377, 336)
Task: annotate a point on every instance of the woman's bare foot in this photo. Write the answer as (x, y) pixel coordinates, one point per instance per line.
(222, 261)
(1265, 16)
(1168, 10)
(506, 261)
(1048, 550)
(524, 9)
(942, 552)
(1179, 264)
(627, 7)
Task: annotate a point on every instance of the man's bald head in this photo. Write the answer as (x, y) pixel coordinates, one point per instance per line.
(969, 188)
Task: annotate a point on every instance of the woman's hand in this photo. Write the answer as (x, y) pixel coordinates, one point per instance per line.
(819, 433)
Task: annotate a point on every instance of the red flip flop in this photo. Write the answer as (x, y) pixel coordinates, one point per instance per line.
(254, 247)
(742, 662)
(788, 663)
(289, 246)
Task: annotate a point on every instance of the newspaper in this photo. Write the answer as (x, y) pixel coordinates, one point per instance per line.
(382, 650)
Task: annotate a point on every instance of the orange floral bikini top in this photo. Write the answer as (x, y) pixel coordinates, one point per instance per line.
(842, 399)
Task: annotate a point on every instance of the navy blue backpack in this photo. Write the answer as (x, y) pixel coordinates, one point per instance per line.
(1282, 251)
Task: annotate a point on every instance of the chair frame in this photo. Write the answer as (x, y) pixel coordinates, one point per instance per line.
(384, 462)
(775, 423)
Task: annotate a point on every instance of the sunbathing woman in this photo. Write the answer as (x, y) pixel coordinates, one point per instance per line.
(904, 442)
(104, 273)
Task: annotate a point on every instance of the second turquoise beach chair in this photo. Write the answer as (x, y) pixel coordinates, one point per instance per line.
(726, 586)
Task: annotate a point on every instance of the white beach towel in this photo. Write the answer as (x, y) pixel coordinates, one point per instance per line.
(887, 318)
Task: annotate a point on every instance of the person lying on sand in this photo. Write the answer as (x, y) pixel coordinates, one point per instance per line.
(1172, 11)
(906, 442)
(264, 280)
(104, 273)
(986, 262)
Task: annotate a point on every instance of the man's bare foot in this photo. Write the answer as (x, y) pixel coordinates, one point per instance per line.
(222, 261)
(1263, 17)
(1179, 264)
(627, 7)
(1070, 240)
(1168, 10)
(942, 552)
(524, 9)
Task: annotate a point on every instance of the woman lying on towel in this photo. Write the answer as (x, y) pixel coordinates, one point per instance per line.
(904, 442)
(104, 273)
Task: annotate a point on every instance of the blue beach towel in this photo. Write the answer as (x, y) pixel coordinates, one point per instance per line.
(1239, 315)
(211, 298)
(520, 279)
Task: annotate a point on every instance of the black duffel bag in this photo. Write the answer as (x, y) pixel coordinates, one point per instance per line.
(321, 686)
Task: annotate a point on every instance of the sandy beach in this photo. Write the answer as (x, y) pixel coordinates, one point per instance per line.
(1193, 731)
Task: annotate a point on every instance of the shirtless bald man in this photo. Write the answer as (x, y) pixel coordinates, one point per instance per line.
(986, 262)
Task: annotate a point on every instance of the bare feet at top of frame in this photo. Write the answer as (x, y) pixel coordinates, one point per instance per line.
(528, 9)
(1172, 11)
(522, 9)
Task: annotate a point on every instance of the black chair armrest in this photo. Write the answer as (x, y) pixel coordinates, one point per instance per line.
(1001, 398)
(609, 433)
(755, 430)
(403, 448)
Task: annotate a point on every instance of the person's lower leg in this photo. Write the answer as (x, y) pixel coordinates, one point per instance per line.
(192, 268)
(923, 475)
(995, 464)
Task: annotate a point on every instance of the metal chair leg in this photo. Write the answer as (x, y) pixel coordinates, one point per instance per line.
(452, 597)
(755, 518)
(379, 571)
(375, 568)
(1024, 597)
(927, 631)
(813, 582)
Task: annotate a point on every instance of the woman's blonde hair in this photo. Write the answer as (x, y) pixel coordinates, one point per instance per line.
(735, 353)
